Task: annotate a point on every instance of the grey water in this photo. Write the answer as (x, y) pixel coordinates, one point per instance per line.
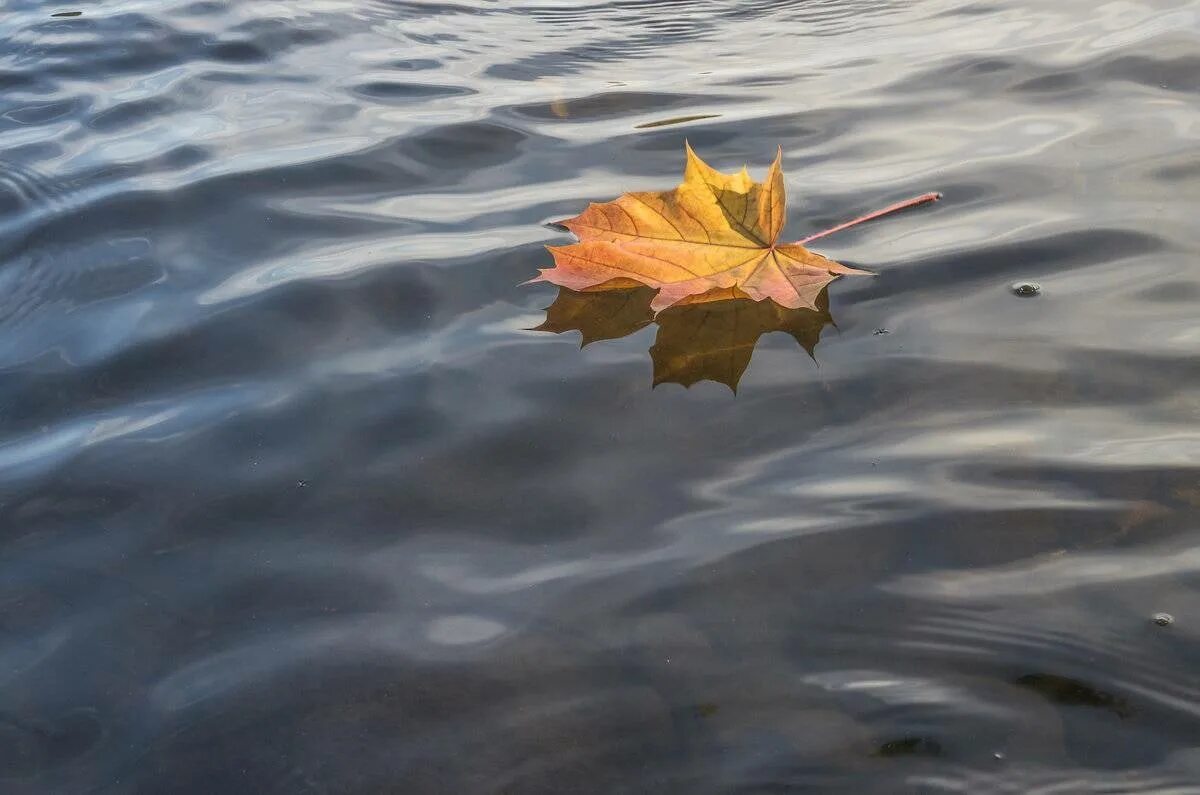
(296, 497)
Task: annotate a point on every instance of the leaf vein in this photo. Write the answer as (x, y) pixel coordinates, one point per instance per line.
(660, 214)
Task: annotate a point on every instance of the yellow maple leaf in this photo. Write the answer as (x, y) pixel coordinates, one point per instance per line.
(714, 233)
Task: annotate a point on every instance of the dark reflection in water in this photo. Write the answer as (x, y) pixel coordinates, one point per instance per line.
(1072, 692)
(910, 746)
(292, 500)
(711, 340)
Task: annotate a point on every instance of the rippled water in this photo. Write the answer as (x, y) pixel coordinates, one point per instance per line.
(294, 501)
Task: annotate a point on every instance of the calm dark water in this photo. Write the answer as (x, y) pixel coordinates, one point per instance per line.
(292, 501)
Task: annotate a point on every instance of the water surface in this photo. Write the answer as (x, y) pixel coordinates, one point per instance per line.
(292, 500)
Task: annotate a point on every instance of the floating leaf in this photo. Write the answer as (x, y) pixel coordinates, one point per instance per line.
(704, 262)
(714, 233)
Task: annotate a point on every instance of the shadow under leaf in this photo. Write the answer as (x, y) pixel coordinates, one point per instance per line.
(711, 339)
(1073, 692)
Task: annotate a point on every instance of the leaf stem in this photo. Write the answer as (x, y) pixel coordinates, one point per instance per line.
(924, 198)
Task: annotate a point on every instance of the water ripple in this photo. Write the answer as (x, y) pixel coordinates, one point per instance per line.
(295, 501)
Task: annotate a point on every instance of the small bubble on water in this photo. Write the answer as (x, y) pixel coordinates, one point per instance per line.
(1163, 619)
(1026, 289)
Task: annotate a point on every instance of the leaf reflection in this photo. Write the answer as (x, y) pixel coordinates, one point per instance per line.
(712, 339)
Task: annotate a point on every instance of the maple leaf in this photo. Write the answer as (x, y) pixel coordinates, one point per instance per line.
(715, 232)
(712, 340)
